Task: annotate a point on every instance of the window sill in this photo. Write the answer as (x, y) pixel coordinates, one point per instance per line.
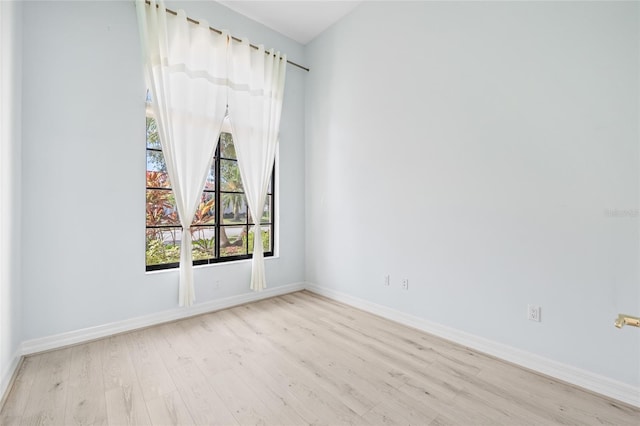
(210, 265)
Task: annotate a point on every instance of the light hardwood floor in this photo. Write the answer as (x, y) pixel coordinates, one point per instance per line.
(292, 360)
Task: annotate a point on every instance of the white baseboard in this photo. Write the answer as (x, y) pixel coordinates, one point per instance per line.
(7, 377)
(585, 379)
(87, 334)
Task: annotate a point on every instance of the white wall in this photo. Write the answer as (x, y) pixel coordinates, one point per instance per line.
(10, 289)
(479, 149)
(84, 170)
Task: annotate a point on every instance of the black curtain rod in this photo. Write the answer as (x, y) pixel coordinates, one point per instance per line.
(215, 30)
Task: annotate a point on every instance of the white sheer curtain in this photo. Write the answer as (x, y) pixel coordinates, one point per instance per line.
(186, 68)
(256, 88)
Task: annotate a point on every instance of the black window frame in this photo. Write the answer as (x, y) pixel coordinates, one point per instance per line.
(219, 216)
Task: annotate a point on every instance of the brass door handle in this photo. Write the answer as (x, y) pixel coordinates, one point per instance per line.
(627, 320)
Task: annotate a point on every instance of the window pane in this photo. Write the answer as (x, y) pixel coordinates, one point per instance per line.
(266, 239)
(230, 179)
(266, 212)
(163, 245)
(227, 149)
(158, 180)
(155, 161)
(153, 141)
(204, 243)
(161, 208)
(235, 209)
(206, 211)
(210, 183)
(233, 241)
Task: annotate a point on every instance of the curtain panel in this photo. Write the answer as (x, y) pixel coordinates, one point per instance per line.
(186, 69)
(256, 90)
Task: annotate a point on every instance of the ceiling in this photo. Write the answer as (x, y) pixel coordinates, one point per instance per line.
(300, 20)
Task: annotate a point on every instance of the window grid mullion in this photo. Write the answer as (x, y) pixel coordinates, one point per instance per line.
(216, 249)
(219, 215)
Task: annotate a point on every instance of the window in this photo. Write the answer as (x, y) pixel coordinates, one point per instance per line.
(222, 228)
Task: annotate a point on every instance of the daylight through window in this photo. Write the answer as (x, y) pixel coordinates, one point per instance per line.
(222, 229)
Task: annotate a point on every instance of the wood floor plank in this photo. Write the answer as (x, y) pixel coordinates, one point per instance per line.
(204, 404)
(327, 408)
(242, 401)
(359, 345)
(379, 332)
(372, 365)
(7, 420)
(265, 348)
(86, 403)
(170, 410)
(386, 413)
(253, 348)
(252, 367)
(124, 400)
(152, 375)
(440, 380)
(365, 377)
(282, 405)
(548, 397)
(48, 395)
(355, 397)
(19, 396)
(297, 359)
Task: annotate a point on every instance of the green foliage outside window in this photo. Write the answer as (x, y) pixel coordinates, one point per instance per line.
(224, 231)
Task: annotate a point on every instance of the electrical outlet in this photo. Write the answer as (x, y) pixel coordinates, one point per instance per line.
(387, 280)
(533, 313)
(405, 283)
